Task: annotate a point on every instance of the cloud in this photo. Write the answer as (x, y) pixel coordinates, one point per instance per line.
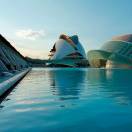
(36, 54)
(30, 34)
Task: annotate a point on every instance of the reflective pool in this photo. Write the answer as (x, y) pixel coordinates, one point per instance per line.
(70, 100)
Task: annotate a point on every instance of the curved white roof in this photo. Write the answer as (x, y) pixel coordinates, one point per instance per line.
(67, 47)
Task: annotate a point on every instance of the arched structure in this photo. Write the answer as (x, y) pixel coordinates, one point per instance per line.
(67, 48)
(10, 58)
(116, 53)
(13, 67)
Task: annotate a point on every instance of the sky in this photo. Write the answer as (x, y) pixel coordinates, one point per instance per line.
(33, 26)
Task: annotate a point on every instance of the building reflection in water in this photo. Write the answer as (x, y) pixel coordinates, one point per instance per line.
(66, 83)
(114, 83)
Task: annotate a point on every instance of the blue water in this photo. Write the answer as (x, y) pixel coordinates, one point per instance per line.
(70, 100)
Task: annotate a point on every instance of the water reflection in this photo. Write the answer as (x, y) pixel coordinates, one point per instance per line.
(66, 83)
(114, 83)
(94, 97)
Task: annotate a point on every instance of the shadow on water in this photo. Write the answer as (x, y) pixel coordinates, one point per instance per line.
(115, 83)
(66, 83)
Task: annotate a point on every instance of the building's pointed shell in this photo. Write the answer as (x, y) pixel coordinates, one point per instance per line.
(64, 48)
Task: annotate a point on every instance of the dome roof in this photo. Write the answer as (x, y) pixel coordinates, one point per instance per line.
(127, 38)
(74, 38)
(67, 47)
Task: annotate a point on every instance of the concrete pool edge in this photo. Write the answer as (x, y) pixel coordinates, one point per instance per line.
(12, 81)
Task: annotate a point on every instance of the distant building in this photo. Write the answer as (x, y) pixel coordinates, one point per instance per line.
(10, 58)
(116, 53)
(67, 49)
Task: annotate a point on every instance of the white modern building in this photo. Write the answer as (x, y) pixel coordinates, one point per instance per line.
(116, 53)
(66, 51)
